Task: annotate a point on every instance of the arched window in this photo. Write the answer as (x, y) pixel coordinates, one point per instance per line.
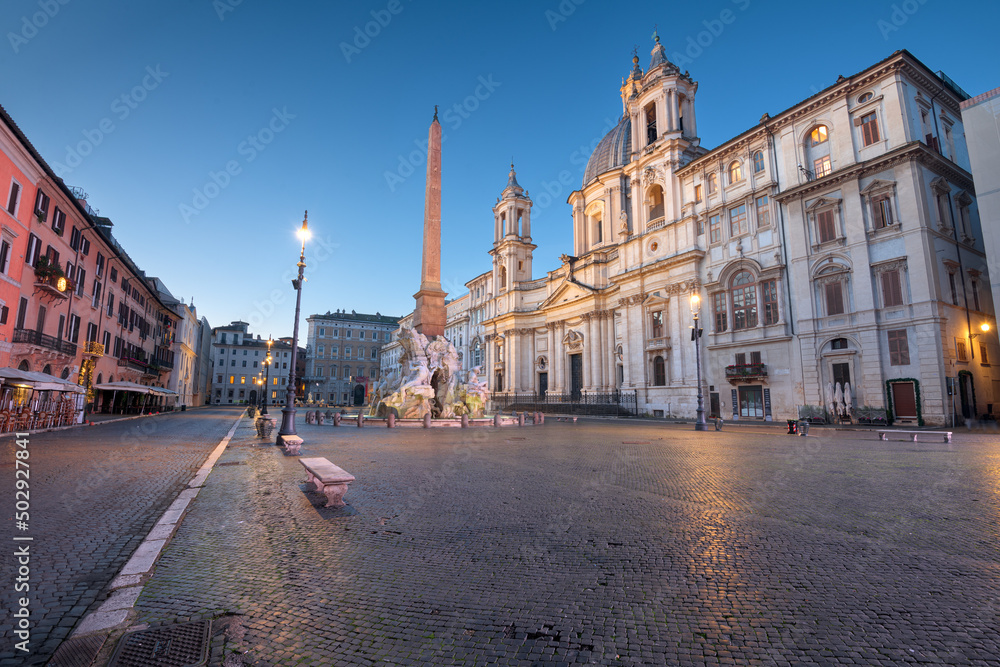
(659, 372)
(713, 184)
(65, 374)
(100, 378)
(735, 172)
(23, 366)
(818, 135)
(743, 289)
(503, 225)
(758, 162)
(47, 370)
(503, 278)
(477, 354)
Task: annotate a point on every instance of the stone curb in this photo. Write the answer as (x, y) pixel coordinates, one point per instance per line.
(127, 585)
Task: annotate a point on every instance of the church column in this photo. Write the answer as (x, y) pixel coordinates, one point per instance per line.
(590, 362)
(559, 357)
(610, 376)
(513, 365)
(679, 342)
(638, 208)
(598, 356)
(664, 118)
(532, 384)
(689, 118)
(627, 349)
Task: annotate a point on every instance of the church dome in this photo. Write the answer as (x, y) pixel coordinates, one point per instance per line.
(614, 151)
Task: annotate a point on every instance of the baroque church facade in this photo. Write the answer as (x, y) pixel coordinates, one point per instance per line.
(836, 242)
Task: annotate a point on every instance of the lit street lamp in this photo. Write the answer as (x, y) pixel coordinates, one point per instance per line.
(267, 380)
(699, 423)
(286, 434)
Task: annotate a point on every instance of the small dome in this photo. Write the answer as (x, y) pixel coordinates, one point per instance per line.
(614, 151)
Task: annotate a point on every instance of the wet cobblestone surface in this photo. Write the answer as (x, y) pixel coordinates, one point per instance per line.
(95, 492)
(594, 543)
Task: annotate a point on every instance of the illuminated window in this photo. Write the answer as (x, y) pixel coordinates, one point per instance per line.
(822, 166)
(697, 193)
(713, 183)
(818, 135)
(735, 171)
(657, 324)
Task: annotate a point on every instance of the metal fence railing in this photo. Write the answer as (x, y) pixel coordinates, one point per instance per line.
(616, 403)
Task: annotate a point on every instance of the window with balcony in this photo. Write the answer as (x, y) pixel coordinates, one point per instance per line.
(822, 166)
(657, 324)
(651, 134)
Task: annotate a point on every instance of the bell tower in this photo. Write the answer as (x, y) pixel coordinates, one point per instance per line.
(511, 236)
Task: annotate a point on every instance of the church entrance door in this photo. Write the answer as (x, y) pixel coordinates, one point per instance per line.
(575, 375)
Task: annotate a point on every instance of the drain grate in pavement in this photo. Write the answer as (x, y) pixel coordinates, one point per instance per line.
(184, 645)
(78, 652)
(233, 463)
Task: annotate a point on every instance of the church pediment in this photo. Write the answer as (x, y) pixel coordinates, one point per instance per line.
(823, 202)
(566, 292)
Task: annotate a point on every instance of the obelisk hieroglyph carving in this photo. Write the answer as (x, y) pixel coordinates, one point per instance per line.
(430, 316)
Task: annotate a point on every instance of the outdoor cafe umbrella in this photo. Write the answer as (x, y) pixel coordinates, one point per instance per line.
(830, 400)
(848, 398)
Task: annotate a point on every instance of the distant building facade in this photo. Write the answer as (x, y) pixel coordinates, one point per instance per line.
(238, 366)
(343, 355)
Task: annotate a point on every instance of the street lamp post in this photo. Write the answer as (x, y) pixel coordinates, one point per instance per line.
(699, 423)
(267, 381)
(286, 434)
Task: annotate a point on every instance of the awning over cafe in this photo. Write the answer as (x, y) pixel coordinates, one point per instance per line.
(38, 381)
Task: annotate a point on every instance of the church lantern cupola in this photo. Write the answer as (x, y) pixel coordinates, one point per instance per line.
(512, 235)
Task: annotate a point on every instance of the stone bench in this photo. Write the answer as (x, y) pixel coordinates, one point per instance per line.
(329, 479)
(884, 434)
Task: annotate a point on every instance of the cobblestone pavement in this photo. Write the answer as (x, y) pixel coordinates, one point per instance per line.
(594, 543)
(95, 492)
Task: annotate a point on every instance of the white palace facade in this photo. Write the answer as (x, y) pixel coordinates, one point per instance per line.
(837, 241)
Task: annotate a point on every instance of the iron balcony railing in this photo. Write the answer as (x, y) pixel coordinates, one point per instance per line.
(739, 372)
(42, 340)
(620, 403)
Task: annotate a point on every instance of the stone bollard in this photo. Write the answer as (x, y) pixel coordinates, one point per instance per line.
(320, 419)
(390, 420)
(336, 419)
(542, 415)
(718, 424)
(520, 419)
(427, 420)
(361, 420)
(465, 421)
(496, 420)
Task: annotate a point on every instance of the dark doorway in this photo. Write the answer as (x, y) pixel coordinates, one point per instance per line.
(40, 324)
(575, 375)
(359, 395)
(499, 383)
(841, 374)
(543, 384)
(714, 408)
(253, 397)
(904, 400)
(965, 393)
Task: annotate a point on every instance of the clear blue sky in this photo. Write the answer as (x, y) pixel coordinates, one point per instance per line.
(334, 113)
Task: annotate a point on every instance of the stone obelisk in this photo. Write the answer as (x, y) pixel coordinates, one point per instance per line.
(429, 317)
